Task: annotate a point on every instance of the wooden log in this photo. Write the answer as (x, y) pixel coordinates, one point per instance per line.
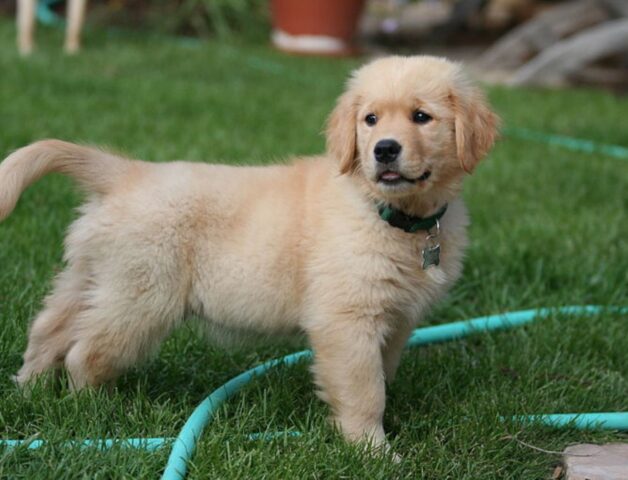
(607, 77)
(522, 43)
(574, 53)
(617, 7)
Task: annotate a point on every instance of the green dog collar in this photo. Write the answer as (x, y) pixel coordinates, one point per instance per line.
(408, 223)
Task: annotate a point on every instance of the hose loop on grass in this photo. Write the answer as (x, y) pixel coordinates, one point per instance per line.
(570, 143)
(184, 445)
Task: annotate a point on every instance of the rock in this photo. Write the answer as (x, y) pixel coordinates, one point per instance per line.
(596, 462)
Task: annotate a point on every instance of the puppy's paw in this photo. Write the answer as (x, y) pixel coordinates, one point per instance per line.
(384, 450)
(24, 385)
(395, 457)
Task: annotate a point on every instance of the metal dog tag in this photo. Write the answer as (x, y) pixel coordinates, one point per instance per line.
(431, 256)
(431, 252)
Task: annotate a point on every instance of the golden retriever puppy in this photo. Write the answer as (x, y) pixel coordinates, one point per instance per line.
(26, 12)
(351, 248)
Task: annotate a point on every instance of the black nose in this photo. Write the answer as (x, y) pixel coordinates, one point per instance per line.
(386, 151)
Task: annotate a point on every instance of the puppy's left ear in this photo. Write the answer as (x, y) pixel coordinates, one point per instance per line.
(476, 127)
(341, 133)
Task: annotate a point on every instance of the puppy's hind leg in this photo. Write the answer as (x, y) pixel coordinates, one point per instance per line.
(25, 25)
(120, 329)
(50, 334)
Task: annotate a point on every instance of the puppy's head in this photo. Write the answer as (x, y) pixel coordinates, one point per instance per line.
(407, 126)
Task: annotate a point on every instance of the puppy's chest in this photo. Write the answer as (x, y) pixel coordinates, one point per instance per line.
(412, 272)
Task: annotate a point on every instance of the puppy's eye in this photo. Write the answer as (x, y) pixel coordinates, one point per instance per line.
(370, 119)
(420, 117)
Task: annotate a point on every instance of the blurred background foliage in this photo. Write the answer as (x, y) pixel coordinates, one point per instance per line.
(251, 18)
(516, 42)
(224, 19)
(202, 18)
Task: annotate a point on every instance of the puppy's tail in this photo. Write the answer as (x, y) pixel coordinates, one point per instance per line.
(95, 170)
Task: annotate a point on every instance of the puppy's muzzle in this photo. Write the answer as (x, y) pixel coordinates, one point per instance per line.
(387, 151)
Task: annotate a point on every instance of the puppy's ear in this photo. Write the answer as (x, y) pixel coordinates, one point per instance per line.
(341, 133)
(476, 126)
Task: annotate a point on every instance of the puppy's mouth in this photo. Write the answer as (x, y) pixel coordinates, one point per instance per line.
(388, 177)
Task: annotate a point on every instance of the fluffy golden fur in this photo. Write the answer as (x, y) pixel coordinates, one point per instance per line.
(269, 250)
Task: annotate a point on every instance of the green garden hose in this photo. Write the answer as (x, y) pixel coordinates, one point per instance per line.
(184, 445)
(46, 15)
(569, 143)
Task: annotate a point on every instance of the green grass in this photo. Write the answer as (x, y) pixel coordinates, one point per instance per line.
(549, 228)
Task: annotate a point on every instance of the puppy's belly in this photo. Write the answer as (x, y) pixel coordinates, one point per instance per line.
(225, 334)
(247, 296)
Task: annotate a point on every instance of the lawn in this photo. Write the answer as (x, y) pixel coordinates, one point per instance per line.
(549, 228)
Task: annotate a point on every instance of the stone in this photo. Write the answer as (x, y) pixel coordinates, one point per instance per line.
(596, 462)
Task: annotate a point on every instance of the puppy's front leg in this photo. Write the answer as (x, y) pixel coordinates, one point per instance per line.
(349, 372)
(393, 348)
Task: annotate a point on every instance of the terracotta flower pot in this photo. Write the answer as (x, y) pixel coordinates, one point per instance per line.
(317, 27)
